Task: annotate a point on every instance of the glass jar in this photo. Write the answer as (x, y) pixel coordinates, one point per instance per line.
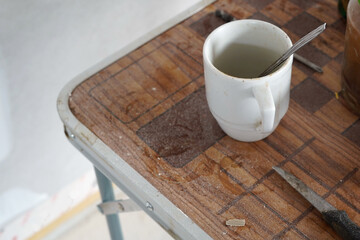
(350, 74)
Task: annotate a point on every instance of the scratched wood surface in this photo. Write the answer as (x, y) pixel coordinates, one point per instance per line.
(150, 108)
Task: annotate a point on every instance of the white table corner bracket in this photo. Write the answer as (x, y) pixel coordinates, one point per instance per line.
(118, 206)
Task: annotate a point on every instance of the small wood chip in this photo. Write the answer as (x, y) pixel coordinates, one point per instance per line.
(235, 222)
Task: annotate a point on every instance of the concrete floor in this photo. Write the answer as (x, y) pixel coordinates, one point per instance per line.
(135, 225)
(43, 45)
(90, 224)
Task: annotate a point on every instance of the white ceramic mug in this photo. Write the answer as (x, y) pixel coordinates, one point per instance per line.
(247, 108)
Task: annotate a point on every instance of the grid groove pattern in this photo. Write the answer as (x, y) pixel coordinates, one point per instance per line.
(153, 92)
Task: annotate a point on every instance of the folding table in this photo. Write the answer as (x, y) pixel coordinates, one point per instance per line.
(144, 123)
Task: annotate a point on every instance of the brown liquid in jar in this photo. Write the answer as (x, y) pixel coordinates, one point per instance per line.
(350, 75)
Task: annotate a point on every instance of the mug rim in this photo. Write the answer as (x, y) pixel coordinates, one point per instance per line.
(207, 40)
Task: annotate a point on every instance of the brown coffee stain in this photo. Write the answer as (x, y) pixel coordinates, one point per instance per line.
(228, 164)
(205, 167)
(151, 165)
(165, 172)
(173, 150)
(131, 106)
(229, 184)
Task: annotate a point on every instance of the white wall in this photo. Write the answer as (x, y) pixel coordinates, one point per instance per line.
(46, 43)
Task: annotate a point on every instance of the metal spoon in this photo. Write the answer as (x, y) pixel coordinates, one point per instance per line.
(228, 18)
(304, 40)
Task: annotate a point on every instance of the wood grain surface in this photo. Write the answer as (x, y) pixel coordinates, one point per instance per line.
(150, 108)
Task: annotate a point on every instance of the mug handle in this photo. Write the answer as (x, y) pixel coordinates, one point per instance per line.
(265, 100)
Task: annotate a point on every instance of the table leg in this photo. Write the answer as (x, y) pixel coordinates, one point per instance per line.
(107, 194)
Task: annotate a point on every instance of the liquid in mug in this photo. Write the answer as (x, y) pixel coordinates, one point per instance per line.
(245, 61)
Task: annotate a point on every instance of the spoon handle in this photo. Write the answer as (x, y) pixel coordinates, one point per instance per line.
(304, 40)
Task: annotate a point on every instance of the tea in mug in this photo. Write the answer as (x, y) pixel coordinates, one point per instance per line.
(245, 61)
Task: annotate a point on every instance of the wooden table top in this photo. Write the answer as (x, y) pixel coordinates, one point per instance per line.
(149, 107)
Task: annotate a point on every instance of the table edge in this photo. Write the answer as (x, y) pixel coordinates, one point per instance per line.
(171, 218)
